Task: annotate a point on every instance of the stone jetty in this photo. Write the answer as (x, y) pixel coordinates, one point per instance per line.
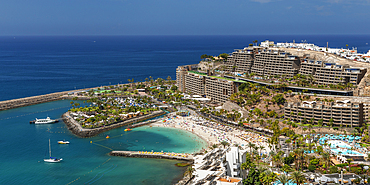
(22, 102)
(78, 130)
(157, 155)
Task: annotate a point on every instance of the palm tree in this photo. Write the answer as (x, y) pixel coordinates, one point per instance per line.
(224, 144)
(244, 167)
(261, 169)
(298, 177)
(283, 179)
(189, 171)
(214, 146)
(349, 160)
(326, 157)
(296, 158)
(250, 145)
(261, 148)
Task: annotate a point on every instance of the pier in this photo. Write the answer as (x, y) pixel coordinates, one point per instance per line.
(157, 155)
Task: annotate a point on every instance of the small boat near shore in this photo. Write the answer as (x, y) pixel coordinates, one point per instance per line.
(44, 121)
(63, 142)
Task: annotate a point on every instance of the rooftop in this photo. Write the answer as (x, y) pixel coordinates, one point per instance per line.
(230, 179)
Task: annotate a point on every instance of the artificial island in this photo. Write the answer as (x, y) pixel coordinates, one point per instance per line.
(284, 113)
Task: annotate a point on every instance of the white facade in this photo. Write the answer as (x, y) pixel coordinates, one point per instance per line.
(267, 43)
(234, 159)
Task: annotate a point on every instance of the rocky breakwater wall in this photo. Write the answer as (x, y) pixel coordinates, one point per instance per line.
(137, 154)
(78, 130)
(21, 102)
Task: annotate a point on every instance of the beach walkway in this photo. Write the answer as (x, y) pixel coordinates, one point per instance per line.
(157, 155)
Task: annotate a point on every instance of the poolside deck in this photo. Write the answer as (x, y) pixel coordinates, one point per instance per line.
(158, 155)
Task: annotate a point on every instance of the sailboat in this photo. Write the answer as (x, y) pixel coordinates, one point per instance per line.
(52, 159)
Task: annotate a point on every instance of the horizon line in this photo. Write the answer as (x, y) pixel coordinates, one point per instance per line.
(61, 35)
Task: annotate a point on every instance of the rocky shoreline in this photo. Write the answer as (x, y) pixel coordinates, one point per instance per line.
(78, 130)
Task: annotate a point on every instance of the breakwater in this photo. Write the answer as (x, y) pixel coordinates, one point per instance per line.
(156, 155)
(22, 102)
(78, 130)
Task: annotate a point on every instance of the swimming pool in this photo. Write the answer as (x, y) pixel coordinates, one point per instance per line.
(341, 144)
(346, 152)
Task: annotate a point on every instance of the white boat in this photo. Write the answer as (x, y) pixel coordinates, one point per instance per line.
(44, 121)
(52, 159)
(63, 142)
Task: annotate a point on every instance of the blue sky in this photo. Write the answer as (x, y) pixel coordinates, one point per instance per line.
(183, 17)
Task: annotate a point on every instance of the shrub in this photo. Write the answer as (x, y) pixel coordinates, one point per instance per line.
(335, 128)
(288, 160)
(279, 99)
(342, 165)
(312, 168)
(333, 169)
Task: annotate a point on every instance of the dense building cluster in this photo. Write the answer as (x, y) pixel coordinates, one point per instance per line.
(273, 61)
(264, 62)
(339, 113)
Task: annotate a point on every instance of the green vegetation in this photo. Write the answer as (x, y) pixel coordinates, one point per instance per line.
(182, 164)
(206, 56)
(105, 109)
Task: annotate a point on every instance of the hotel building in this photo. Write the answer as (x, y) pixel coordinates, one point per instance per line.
(241, 60)
(271, 62)
(343, 113)
(180, 75)
(218, 89)
(331, 73)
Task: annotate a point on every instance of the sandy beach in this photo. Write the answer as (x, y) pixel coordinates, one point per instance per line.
(214, 133)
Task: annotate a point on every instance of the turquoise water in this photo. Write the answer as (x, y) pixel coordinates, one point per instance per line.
(24, 146)
(340, 144)
(347, 152)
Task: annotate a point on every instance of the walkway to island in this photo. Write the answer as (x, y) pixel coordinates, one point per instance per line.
(157, 155)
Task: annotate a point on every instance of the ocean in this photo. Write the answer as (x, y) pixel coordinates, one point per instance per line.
(38, 65)
(85, 160)
(32, 65)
